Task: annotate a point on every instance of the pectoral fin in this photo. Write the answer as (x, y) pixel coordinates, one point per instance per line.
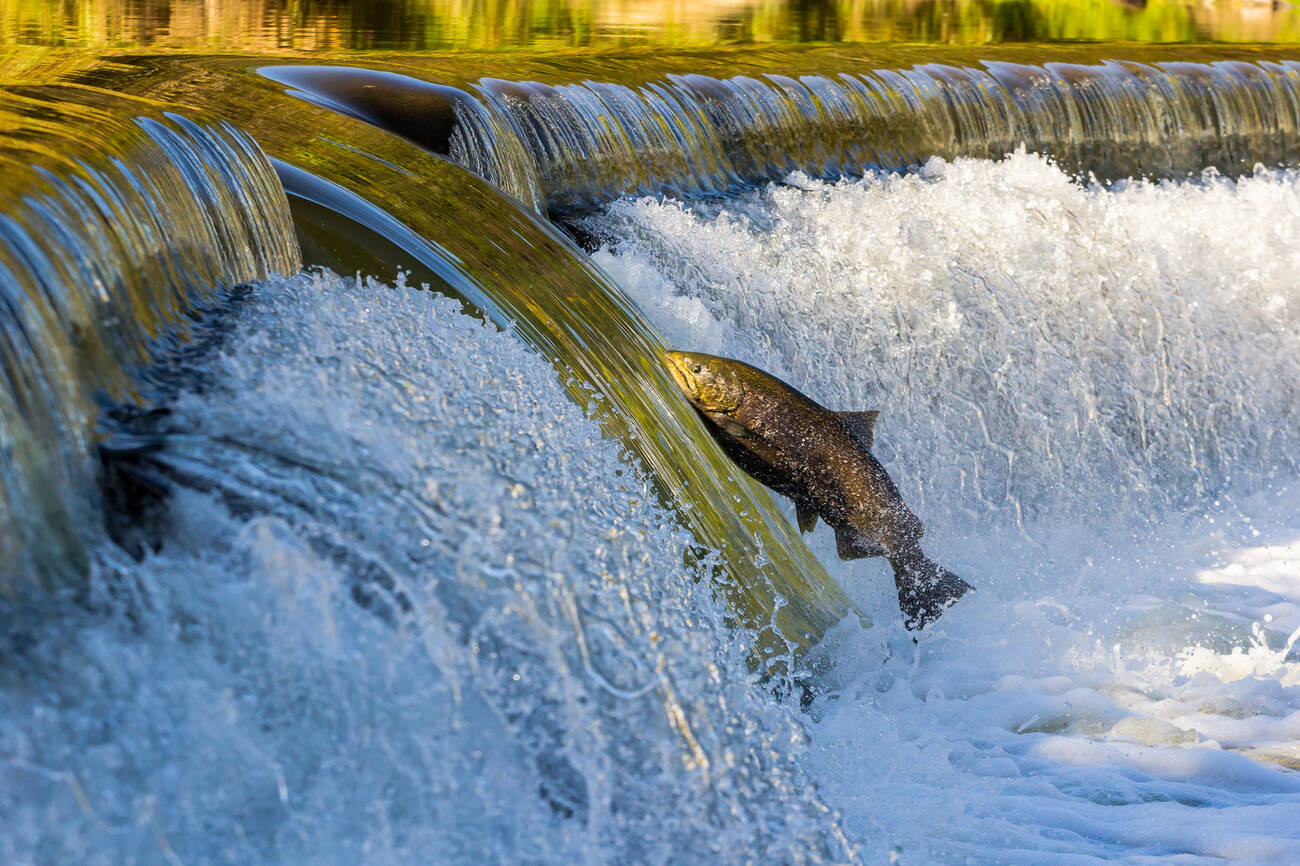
(733, 429)
(805, 514)
(862, 425)
(850, 545)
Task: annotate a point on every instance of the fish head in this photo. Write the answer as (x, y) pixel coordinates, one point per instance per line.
(712, 384)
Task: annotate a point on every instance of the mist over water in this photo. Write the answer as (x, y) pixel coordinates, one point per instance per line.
(1090, 396)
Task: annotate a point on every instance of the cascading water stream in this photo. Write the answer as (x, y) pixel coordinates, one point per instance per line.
(571, 146)
(411, 606)
(1158, 372)
(106, 247)
(733, 132)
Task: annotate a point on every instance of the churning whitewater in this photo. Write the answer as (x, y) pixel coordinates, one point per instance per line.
(409, 606)
(1091, 397)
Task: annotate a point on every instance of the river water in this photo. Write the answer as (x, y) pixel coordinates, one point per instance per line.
(348, 515)
(1130, 654)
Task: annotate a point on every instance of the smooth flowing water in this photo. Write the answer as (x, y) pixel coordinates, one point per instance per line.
(105, 247)
(417, 555)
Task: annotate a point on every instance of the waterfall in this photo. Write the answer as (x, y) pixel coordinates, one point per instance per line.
(572, 146)
(121, 223)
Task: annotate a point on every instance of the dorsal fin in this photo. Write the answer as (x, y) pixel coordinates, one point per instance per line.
(862, 425)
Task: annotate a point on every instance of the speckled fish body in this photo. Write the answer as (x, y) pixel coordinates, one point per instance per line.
(822, 460)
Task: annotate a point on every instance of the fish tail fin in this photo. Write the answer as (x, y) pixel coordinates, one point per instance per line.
(925, 588)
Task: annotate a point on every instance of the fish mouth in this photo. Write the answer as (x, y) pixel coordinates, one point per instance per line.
(679, 370)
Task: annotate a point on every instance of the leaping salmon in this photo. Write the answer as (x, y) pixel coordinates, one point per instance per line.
(822, 460)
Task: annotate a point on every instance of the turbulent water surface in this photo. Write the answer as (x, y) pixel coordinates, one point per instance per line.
(1090, 396)
(349, 518)
(463, 633)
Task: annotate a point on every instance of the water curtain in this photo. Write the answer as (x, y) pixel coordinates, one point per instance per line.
(593, 142)
(571, 146)
(122, 222)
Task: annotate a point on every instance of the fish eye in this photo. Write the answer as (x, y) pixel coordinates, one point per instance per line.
(695, 368)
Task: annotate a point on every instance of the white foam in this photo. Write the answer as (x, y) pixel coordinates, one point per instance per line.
(1091, 397)
(538, 678)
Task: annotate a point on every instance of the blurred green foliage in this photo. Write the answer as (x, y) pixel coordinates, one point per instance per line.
(270, 25)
